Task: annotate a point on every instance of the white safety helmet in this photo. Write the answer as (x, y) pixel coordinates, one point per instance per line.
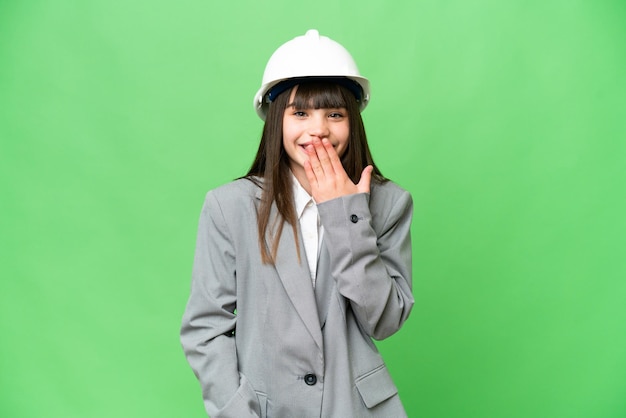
(310, 56)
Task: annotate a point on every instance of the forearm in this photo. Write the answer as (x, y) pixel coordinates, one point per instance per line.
(209, 320)
(211, 354)
(372, 267)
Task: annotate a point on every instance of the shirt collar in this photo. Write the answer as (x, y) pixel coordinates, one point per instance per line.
(300, 196)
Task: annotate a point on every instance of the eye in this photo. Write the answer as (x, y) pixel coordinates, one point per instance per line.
(337, 113)
(299, 113)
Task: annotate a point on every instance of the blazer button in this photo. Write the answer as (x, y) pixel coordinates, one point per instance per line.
(310, 379)
(354, 218)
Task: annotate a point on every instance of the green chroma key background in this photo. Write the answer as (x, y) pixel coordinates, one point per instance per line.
(505, 119)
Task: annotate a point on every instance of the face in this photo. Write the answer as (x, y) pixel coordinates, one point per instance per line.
(301, 126)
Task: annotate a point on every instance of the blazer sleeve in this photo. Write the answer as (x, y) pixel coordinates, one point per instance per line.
(209, 320)
(371, 258)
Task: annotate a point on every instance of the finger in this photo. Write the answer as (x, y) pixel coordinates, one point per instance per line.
(316, 165)
(322, 154)
(333, 157)
(310, 174)
(365, 181)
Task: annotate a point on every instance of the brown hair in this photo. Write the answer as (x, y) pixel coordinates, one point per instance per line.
(272, 162)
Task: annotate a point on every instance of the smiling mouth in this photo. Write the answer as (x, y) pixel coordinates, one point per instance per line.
(303, 146)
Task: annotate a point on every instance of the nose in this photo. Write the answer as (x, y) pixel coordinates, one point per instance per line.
(318, 126)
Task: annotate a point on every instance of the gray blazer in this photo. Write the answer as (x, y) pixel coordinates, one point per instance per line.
(264, 343)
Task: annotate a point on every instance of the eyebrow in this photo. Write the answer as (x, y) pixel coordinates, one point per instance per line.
(293, 104)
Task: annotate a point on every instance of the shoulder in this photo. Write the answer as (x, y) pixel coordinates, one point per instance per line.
(237, 189)
(237, 193)
(389, 200)
(388, 192)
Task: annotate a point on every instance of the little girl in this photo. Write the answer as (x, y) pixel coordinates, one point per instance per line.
(304, 260)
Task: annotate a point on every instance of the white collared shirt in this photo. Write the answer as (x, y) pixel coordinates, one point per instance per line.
(312, 230)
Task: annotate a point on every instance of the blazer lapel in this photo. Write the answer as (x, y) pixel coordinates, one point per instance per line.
(296, 277)
(324, 284)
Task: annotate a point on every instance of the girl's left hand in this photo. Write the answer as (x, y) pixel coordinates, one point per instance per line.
(326, 175)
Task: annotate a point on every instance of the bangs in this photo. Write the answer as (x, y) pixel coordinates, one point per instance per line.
(321, 96)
